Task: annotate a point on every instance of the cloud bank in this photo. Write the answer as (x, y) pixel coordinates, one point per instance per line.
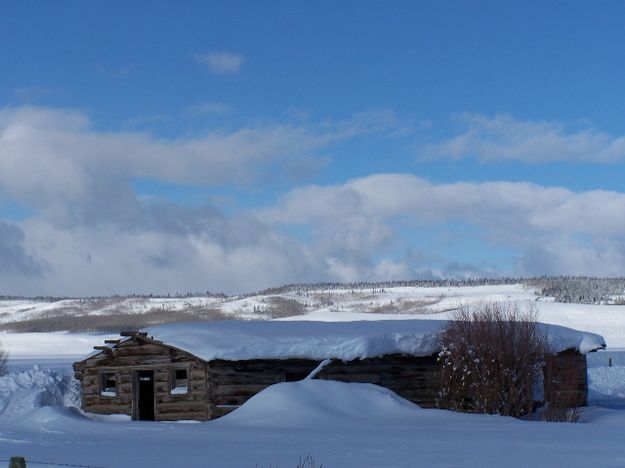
(89, 232)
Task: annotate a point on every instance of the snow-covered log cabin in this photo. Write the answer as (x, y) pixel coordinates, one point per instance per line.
(204, 370)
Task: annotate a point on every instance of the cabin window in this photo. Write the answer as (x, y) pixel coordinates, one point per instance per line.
(108, 384)
(179, 382)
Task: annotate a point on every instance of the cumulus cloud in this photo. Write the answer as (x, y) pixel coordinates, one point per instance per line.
(504, 206)
(221, 62)
(95, 235)
(553, 229)
(55, 162)
(90, 233)
(504, 138)
(353, 230)
(216, 253)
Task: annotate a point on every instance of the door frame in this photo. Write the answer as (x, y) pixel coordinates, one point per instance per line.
(136, 394)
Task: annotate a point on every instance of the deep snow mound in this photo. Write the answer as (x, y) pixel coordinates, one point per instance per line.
(22, 392)
(323, 403)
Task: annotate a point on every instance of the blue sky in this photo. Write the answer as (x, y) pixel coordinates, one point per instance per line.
(185, 146)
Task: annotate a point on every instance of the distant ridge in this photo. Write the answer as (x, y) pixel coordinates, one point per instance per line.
(580, 289)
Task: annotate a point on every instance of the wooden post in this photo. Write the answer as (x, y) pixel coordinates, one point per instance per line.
(17, 462)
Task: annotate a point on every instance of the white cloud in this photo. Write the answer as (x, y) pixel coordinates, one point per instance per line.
(553, 229)
(504, 138)
(90, 233)
(53, 161)
(353, 230)
(221, 62)
(499, 206)
(229, 255)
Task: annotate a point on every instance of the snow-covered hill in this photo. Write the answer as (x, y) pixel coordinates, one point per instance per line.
(108, 316)
(56, 315)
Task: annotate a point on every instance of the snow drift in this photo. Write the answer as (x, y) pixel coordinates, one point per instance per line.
(23, 392)
(323, 403)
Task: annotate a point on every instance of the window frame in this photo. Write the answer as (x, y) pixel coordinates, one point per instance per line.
(103, 392)
(173, 382)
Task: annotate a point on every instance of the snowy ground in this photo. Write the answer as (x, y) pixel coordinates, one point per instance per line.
(340, 425)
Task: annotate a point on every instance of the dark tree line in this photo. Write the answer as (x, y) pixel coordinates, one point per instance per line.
(581, 289)
(380, 286)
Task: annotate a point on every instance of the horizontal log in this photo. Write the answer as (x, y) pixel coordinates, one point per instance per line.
(230, 400)
(97, 399)
(183, 399)
(248, 389)
(188, 407)
(136, 361)
(108, 409)
(243, 379)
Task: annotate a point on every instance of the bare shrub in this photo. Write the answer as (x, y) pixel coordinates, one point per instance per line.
(4, 360)
(280, 307)
(492, 356)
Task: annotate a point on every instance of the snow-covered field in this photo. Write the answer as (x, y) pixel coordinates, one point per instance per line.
(340, 425)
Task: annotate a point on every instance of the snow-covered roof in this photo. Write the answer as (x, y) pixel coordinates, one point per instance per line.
(241, 340)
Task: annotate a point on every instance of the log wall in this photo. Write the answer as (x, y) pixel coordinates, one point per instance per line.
(417, 379)
(566, 379)
(232, 383)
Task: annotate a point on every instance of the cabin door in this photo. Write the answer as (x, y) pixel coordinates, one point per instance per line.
(144, 392)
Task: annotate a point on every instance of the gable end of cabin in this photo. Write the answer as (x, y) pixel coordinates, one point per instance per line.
(145, 379)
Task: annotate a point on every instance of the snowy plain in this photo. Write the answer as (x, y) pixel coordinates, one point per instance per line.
(340, 425)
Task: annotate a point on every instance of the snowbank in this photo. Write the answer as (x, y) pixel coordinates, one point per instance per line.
(23, 392)
(341, 425)
(239, 340)
(606, 382)
(323, 403)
